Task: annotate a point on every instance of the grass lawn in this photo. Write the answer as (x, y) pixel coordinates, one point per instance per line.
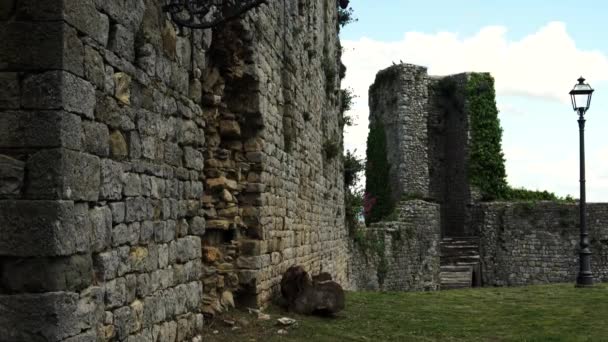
(533, 313)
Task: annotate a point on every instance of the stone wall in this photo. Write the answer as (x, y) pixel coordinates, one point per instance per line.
(401, 254)
(151, 172)
(537, 243)
(296, 189)
(101, 143)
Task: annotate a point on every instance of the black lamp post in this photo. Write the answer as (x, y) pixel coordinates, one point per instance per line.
(581, 100)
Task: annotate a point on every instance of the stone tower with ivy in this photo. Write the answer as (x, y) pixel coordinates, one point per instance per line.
(433, 138)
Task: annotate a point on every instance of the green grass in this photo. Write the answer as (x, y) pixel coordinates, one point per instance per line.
(534, 313)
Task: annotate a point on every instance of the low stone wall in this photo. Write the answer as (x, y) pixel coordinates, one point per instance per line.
(536, 243)
(400, 255)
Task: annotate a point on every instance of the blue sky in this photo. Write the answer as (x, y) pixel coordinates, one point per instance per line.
(535, 52)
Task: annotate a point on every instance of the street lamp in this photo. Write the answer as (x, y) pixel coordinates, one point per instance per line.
(581, 100)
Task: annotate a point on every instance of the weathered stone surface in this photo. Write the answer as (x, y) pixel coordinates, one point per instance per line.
(58, 90)
(31, 45)
(110, 113)
(95, 138)
(94, 69)
(63, 174)
(193, 159)
(11, 176)
(40, 317)
(111, 182)
(29, 228)
(122, 42)
(73, 273)
(411, 251)
(118, 145)
(40, 129)
(230, 128)
(122, 87)
(11, 92)
(101, 228)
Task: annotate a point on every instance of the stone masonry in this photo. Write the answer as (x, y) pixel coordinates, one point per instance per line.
(537, 243)
(151, 174)
(401, 254)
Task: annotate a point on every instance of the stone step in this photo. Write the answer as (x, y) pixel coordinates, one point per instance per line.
(459, 258)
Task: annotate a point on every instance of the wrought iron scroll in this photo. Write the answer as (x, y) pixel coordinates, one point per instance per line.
(203, 14)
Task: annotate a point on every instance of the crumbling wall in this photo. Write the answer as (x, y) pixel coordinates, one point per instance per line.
(294, 197)
(401, 254)
(538, 243)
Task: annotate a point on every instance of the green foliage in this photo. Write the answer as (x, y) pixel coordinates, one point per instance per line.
(331, 148)
(487, 162)
(353, 167)
(329, 68)
(346, 16)
(353, 197)
(377, 184)
(353, 205)
(346, 102)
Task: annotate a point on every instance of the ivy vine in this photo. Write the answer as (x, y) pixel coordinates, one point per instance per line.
(487, 162)
(377, 200)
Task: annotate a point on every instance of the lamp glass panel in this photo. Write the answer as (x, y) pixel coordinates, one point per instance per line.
(581, 100)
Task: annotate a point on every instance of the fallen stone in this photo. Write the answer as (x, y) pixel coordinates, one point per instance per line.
(303, 295)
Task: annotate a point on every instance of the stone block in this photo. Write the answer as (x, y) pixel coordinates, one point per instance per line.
(82, 14)
(124, 322)
(94, 69)
(115, 293)
(72, 273)
(197, 226)
(127, 13)
(63, 174)
(118, 145)
(101, 228)
(230, 128)
(118, 212)
(110, 113)
(40, 228)
(111, 182)
(31, 45)
(11, 92)
(188, 248)
(122, 42)
(122, 87)
(58, 90)
(11, 176)
(95, 138)
(40, 317)
(193, 159)
(73, 51)
(106, 265)
(46, 129)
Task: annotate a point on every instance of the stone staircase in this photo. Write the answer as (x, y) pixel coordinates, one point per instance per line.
(460, 263)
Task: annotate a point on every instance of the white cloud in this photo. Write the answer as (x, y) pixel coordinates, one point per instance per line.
(544, 64)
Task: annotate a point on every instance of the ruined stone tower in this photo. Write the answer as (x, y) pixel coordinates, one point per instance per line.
(427, 138)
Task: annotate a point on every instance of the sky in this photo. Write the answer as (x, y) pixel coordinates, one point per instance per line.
(536, 50)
